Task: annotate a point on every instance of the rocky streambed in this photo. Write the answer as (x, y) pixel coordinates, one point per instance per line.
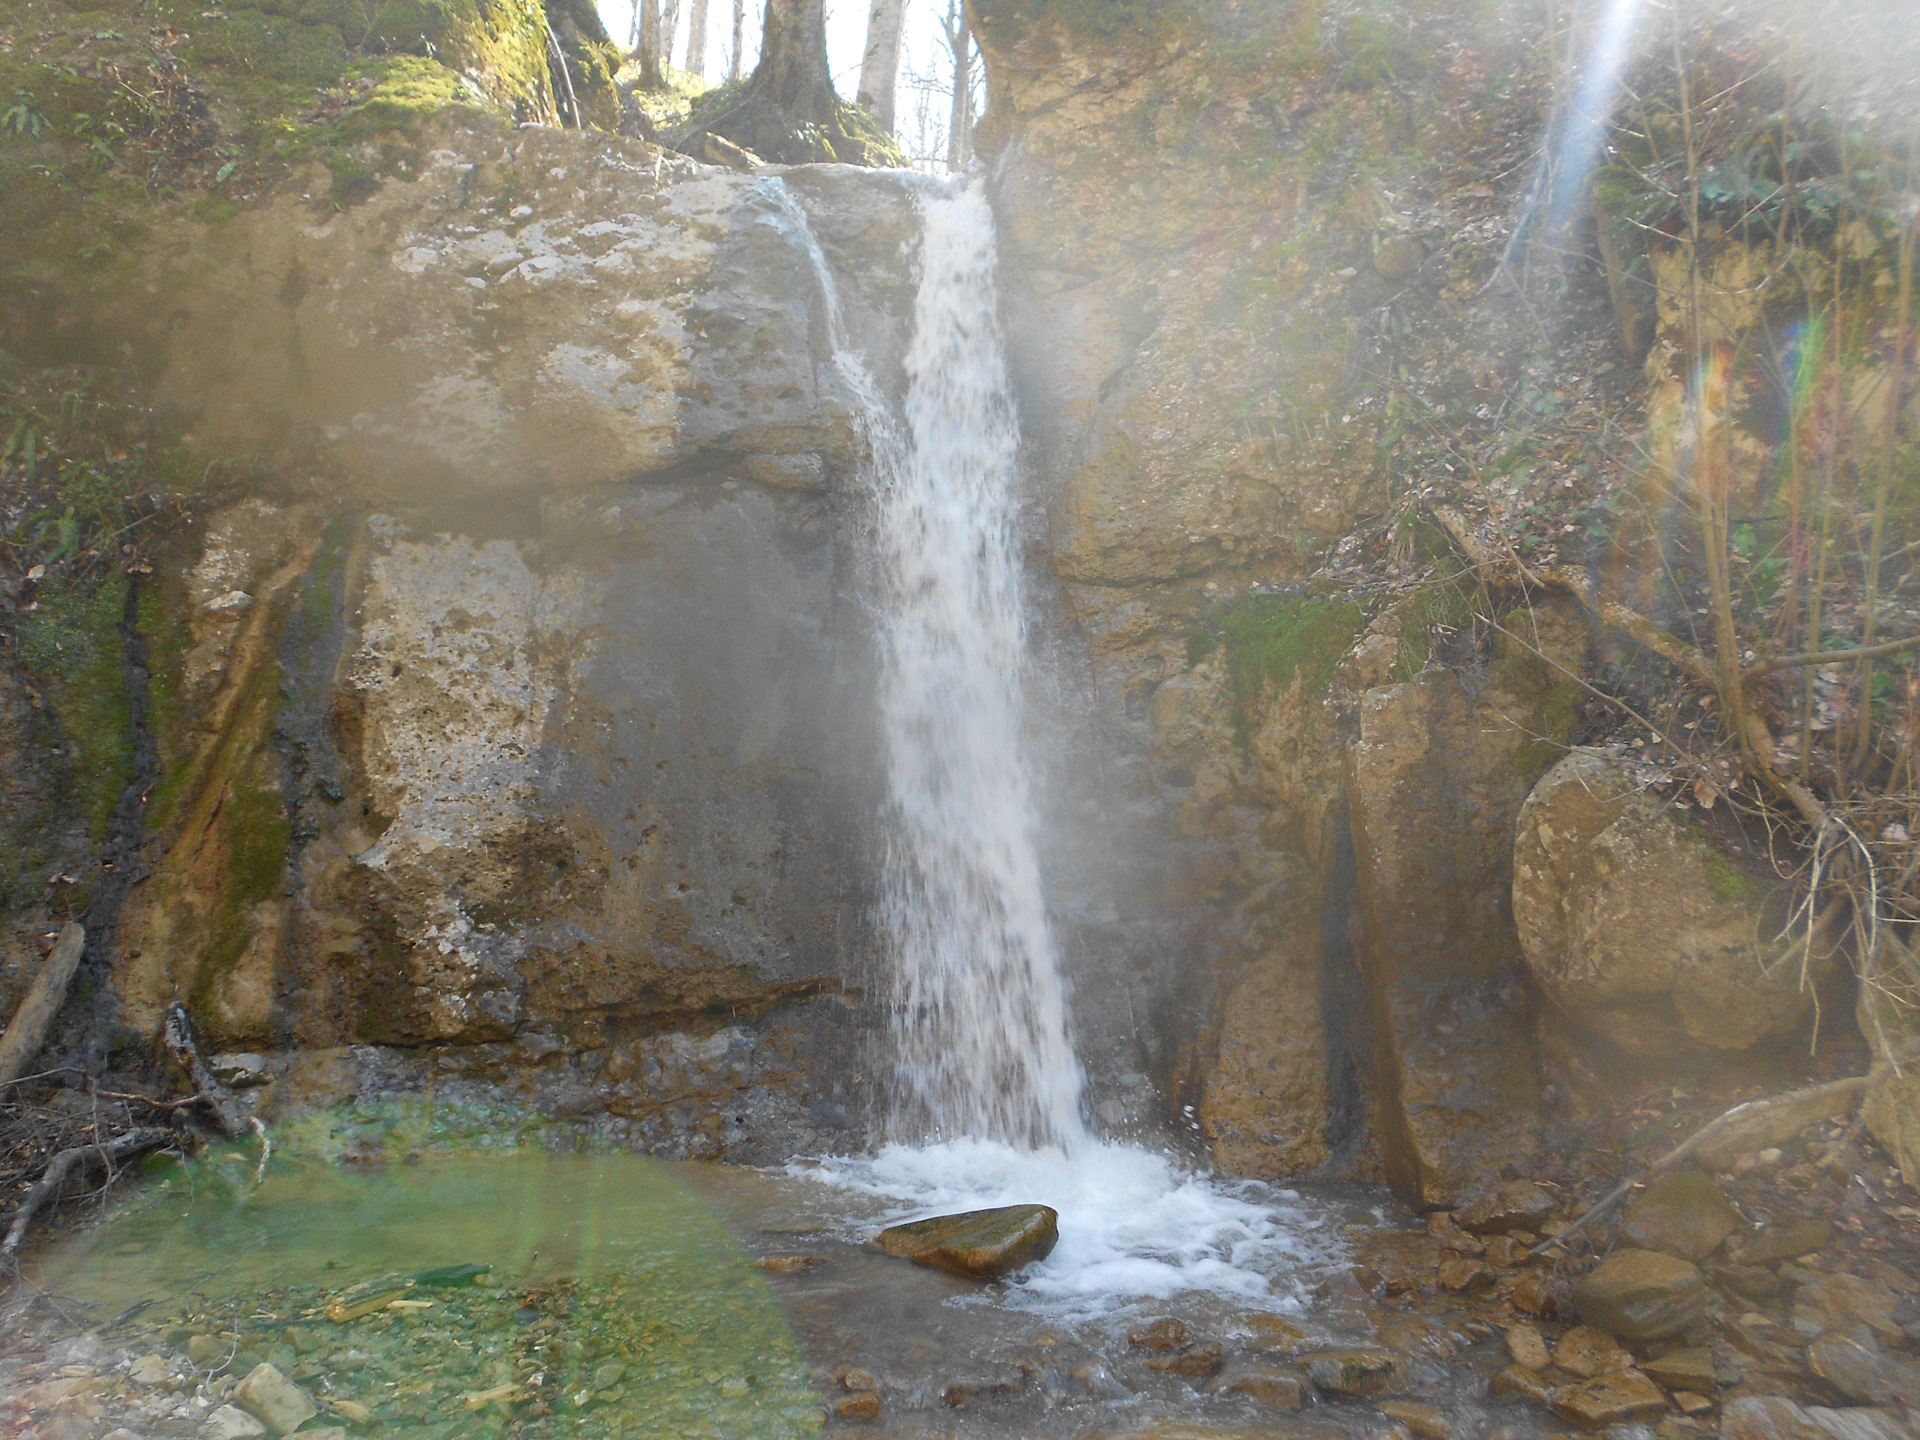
(444, 1289)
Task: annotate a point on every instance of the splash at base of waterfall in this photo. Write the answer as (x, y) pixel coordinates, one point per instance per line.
(1133, 1226)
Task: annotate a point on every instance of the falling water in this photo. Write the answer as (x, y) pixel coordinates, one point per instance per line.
(987, 1107)
(981, 1020)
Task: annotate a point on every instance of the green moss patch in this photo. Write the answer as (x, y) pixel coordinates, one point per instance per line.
(71, 645)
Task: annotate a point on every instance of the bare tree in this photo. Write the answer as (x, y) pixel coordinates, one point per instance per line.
(647, 22)
(669, 26)
(739, 38)
(959, 36)
(697, 38)
(880, 69)
(792, 74)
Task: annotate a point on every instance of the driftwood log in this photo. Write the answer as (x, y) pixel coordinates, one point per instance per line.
(28, 1032)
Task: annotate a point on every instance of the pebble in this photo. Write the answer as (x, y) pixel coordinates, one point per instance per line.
(1586, 1352)
(149, 1370)
(864, 1406)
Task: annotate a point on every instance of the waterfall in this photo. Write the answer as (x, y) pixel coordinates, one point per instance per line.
(981, 1018)
(988, 1088)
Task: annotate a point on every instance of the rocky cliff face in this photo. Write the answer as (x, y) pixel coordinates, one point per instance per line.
(505, 725)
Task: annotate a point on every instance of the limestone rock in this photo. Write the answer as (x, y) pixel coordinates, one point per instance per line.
(1586, 1352)
(1863, 1372)
(1436, 779)
(207, 1350)
(1785, 1242)
(1768, 1417)
(1682, 1214)
(1161, 1335)
(1527, 1348)
(1641, 927)
(1615, 1398)
(1278, 1388)
(1518, 1205)
(1848, 1305)
(274, 1400)
(1641, 1295)
(230, 1423)
(1356, 1374)
(1689, 1368)
(1516, 1382)
(980, 1244)
(1423, 1420)
(1195, 1364)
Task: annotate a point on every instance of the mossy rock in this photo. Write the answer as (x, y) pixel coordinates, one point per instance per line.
(979, 1244)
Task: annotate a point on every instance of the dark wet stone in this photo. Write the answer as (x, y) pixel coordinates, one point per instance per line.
(1358, 1374)
(1641, 1295)
(972, 1389)
(1268, 1385)
(980, 1244)
(1168, 1334)
(1687, 1369)
(1768, 1417)
(1423, 1420)
(1615, 1398)
(1463, 1273)
(1750, 1282)
(1195, 1364)
(1860, 1370)
(1788, 1242)
(1516, 1382)
(1682, 1214)
(1519, 1205)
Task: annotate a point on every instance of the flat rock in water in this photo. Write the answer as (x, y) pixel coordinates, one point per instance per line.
(1196, 1364)
(1641, 1295)
(980, 1244)
(1610, 1399)
(1768, 1417)
(1358, 1374)
(1848, 1305)
(1682, 1214)
(1586, 1352)
(1518, 1206)
(1266, 1384)
(1859, 1424)
(1423, 1420)
(1688, 1369)
(1787, 1242)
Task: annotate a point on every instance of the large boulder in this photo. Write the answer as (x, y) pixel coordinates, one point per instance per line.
(1643, 927)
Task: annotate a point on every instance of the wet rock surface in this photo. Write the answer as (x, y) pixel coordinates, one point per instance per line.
(980, 1244)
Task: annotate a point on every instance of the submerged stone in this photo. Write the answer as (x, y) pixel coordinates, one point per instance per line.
(280, 1404)
(1518, 1206)
(1357, 1374)
(980, 1244)
(1610, 1399)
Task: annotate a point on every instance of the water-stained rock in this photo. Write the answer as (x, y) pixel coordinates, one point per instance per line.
(1356, 1374)
(274, 1400)
(1863, 1372)
(1614, 1398)
(1642, 927)
(980, 1244)
(1683, 1214)
(1641, 1295)
(1517, 1205)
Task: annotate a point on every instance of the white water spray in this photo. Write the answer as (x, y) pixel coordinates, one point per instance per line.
(981, 1015)
(987, 1107)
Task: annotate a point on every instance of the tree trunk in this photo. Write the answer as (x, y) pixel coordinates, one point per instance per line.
(739, 38)
(697, 38)
(792, 73)
(960, 118)
(48, 993)
(650, 42)
(880, 69)
(669, 24)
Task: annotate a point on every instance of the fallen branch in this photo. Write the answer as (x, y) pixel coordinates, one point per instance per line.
(1742, 1121)
(62, 1166)
(177, 1036)
(28, 1032)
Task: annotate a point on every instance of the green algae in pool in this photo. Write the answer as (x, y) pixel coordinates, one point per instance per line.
(616, 1304)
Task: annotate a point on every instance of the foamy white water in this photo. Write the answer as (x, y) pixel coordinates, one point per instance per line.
(987, 1106)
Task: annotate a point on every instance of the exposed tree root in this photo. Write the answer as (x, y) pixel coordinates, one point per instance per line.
(1754, 1122)
(109, 1153)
